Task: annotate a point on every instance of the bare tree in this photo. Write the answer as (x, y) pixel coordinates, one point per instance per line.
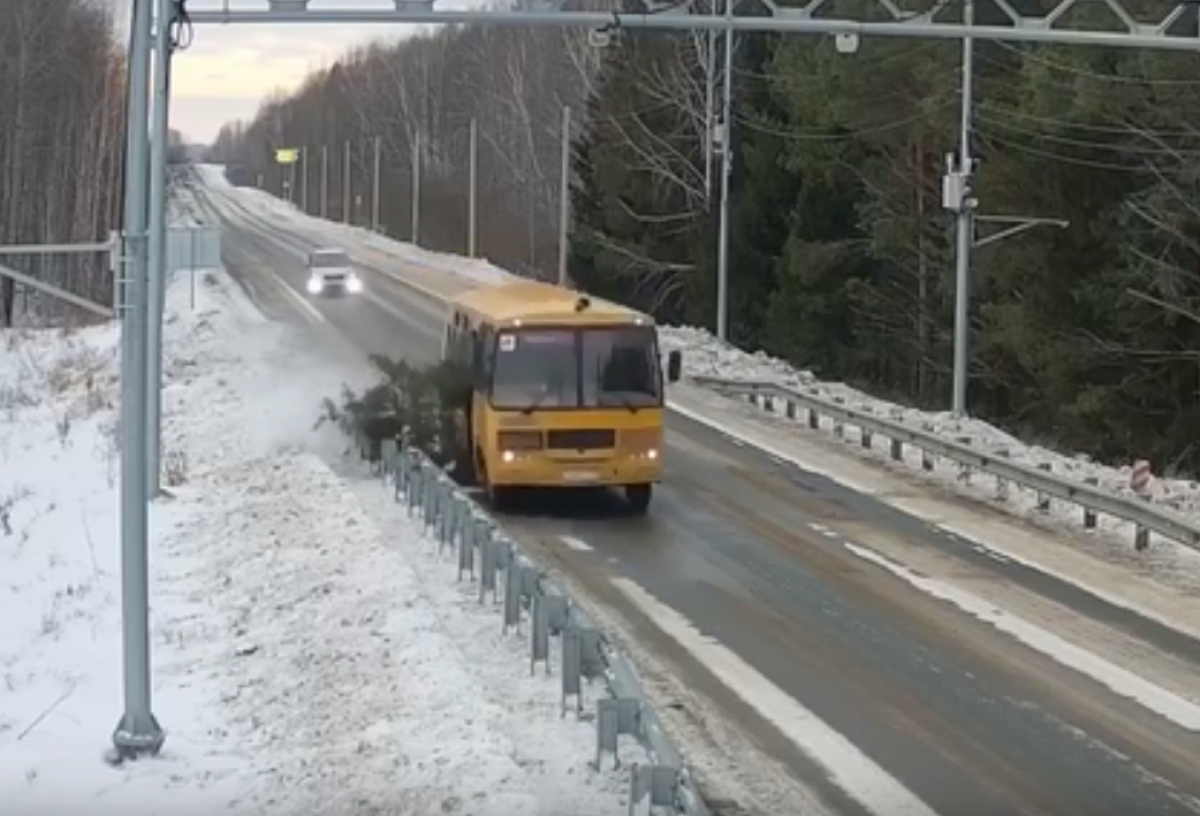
(61, 158)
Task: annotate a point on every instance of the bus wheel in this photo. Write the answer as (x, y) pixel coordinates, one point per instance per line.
(498, 497)
(638, 496)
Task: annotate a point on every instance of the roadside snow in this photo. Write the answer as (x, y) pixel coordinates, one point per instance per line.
(305, 658)
(279, 211)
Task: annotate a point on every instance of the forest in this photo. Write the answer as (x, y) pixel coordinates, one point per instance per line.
(1084, 336)
(62, 116)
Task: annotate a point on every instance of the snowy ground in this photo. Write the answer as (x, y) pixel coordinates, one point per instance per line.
(311, 653)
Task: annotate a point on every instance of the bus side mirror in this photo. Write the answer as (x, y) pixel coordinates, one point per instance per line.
(674, 365)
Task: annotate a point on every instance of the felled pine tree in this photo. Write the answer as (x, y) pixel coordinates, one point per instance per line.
(425, 405)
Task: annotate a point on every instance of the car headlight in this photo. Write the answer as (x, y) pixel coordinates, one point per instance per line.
(315, 285)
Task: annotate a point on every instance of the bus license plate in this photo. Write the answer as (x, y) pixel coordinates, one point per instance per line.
(580, 475)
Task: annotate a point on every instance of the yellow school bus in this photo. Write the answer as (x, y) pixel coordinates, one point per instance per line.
(566, 389)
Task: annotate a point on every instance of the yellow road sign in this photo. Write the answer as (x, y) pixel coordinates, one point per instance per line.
(287, 155)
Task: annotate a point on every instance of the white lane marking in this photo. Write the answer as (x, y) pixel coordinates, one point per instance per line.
(298, 299)
(1121, 681)
(961, 531)
(577, 544)
(848, 767)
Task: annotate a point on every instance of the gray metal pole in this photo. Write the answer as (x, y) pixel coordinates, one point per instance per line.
(726, 171)
(564, 196)
(375, 187)
(710, 102)
(158, 248)
(346, 185)
(473, 194)
(324, 181)
(965, 225)
(138, 732)
(416, 189)
(304, 180)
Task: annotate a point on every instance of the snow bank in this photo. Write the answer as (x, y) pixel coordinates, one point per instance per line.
(705, 355)
(304, 660)
(267, 205)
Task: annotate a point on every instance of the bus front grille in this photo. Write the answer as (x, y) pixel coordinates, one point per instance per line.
(582, 439)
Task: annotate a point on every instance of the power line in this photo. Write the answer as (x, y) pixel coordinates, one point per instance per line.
(1127, 129)
(1026, 54)
(1110, 146)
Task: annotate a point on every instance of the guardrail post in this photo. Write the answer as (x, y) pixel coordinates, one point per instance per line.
(1001, 482)
(1043, 501)
(1089, 515)
(839, 430)
(898, 450)
(615, 716)
(790, 409)
(512, 596)
(549, 617)
(926, 460)
(865, 438)
(1141, 538)
(814, 419)
(572, 669)
(769, 404)
(480, 532)
(964, 470)
(659, 782)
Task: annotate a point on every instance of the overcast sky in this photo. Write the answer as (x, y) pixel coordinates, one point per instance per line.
(229, 68)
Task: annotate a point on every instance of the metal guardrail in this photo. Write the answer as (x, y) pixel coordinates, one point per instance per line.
(525, 592)
(1086, 495)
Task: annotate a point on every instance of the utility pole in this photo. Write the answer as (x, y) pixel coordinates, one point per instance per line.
(138, 732)
(416, 188)
(473, 195)
(965, 225)
(304, 180)
(324, 181)
(710, 102)
(375, 188)
(156, 279)
(346, 185)
(726, 170)
(564, 196)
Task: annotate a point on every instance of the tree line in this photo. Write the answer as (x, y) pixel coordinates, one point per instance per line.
(842, 258)
(62, 116)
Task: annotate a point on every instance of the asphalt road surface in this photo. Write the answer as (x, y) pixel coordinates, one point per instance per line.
(964, 716)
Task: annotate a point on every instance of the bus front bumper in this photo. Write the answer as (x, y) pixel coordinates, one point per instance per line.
(517, 470)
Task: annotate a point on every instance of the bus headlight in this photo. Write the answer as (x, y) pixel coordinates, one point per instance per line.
(514, 443)
(354, 284)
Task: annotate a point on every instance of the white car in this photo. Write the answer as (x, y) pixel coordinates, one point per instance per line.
(330, 272)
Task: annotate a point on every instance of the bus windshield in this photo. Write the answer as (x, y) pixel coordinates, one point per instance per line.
(602, 367)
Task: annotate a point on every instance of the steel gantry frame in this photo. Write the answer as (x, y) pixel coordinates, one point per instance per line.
(1176, 30)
